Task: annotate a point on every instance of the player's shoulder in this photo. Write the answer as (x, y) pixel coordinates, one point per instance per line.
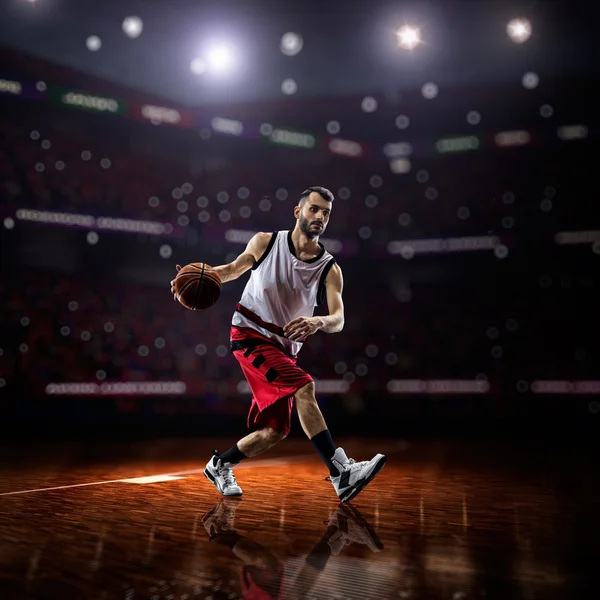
(262, 238)
(334, 273)
(265, 235)
(335, 268)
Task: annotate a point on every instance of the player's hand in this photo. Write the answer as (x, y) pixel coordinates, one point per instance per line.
(178, 267)
(299, 329)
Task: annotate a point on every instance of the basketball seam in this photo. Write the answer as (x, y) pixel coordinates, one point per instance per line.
(208, 276)
(198, 289)
(195, 266)
(187, 285)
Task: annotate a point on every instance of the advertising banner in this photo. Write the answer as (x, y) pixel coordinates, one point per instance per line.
(86, 101)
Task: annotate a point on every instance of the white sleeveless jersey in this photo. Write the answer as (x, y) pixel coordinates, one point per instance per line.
(281, 288)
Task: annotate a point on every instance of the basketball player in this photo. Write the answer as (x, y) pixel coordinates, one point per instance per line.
(291, 274)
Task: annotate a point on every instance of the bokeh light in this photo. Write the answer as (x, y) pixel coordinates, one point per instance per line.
(530, 80)
(132, 27)
(291, 43)
(519, 30)
(289, 87)
(93, 43)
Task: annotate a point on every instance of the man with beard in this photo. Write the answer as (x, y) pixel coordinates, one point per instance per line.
(291, 274)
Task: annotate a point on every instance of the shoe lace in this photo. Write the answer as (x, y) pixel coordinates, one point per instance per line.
(227, 474)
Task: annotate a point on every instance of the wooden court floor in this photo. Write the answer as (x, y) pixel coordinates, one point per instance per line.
(103, 521)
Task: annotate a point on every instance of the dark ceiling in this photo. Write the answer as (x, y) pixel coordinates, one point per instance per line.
(349, 46)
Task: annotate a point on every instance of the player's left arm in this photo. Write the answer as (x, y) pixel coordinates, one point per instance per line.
(299, 329)
(334, 285)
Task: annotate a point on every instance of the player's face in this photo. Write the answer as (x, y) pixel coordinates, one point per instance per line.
(314, 216)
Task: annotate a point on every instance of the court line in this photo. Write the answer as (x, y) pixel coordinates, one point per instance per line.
(269, 462)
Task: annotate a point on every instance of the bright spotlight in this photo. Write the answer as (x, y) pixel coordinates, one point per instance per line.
(519, 30)
(220, 58)
(132, 27)
(408, 37)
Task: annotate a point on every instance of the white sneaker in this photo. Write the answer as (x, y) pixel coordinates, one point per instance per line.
(220, 518)
(221, 474)
(354, 476)
(352, 528)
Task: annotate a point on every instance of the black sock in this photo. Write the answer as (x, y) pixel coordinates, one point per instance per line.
(321, 552)
(324, 445)
(232, 456)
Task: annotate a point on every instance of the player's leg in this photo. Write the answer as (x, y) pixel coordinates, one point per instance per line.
(273, 425)
(314, 426)
(347, 476)
(219, 469)
(253, 444)
(259, 441)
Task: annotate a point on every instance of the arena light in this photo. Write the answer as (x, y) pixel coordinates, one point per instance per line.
(132, 27)
(551, 386)
(429, 90)
(438, 386)
(93, 222)
(577, 237)
(117, 388)
(293, 138)
(408, 37)
(530, 80)
(289, 87)
(291, 43)
(408, 248)
(11, 87)
(230, 126)
(345, 147)
(394, 150)
(458, 144)
(519, 30)
(519, 137)
(220, 58)
(93, 43)
(400, 166)
(572, 132)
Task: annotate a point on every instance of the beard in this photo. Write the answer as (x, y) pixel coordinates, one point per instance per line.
(308, 230)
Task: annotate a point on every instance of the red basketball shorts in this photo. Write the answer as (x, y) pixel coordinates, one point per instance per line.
(273, 377)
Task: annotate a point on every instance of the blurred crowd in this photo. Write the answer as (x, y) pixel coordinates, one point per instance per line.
(59, 328)
(521, 320)
(57, 160)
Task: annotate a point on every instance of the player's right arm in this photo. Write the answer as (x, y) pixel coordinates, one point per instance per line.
(246, 260)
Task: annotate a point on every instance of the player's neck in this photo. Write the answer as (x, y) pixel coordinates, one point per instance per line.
(304, 244)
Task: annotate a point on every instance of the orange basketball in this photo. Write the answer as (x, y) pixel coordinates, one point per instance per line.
(197, 286)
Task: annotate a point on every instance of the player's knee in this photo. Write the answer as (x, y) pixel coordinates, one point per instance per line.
(272, 436)
(306, 394)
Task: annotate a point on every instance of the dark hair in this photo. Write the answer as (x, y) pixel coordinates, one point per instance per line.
(323, 192)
